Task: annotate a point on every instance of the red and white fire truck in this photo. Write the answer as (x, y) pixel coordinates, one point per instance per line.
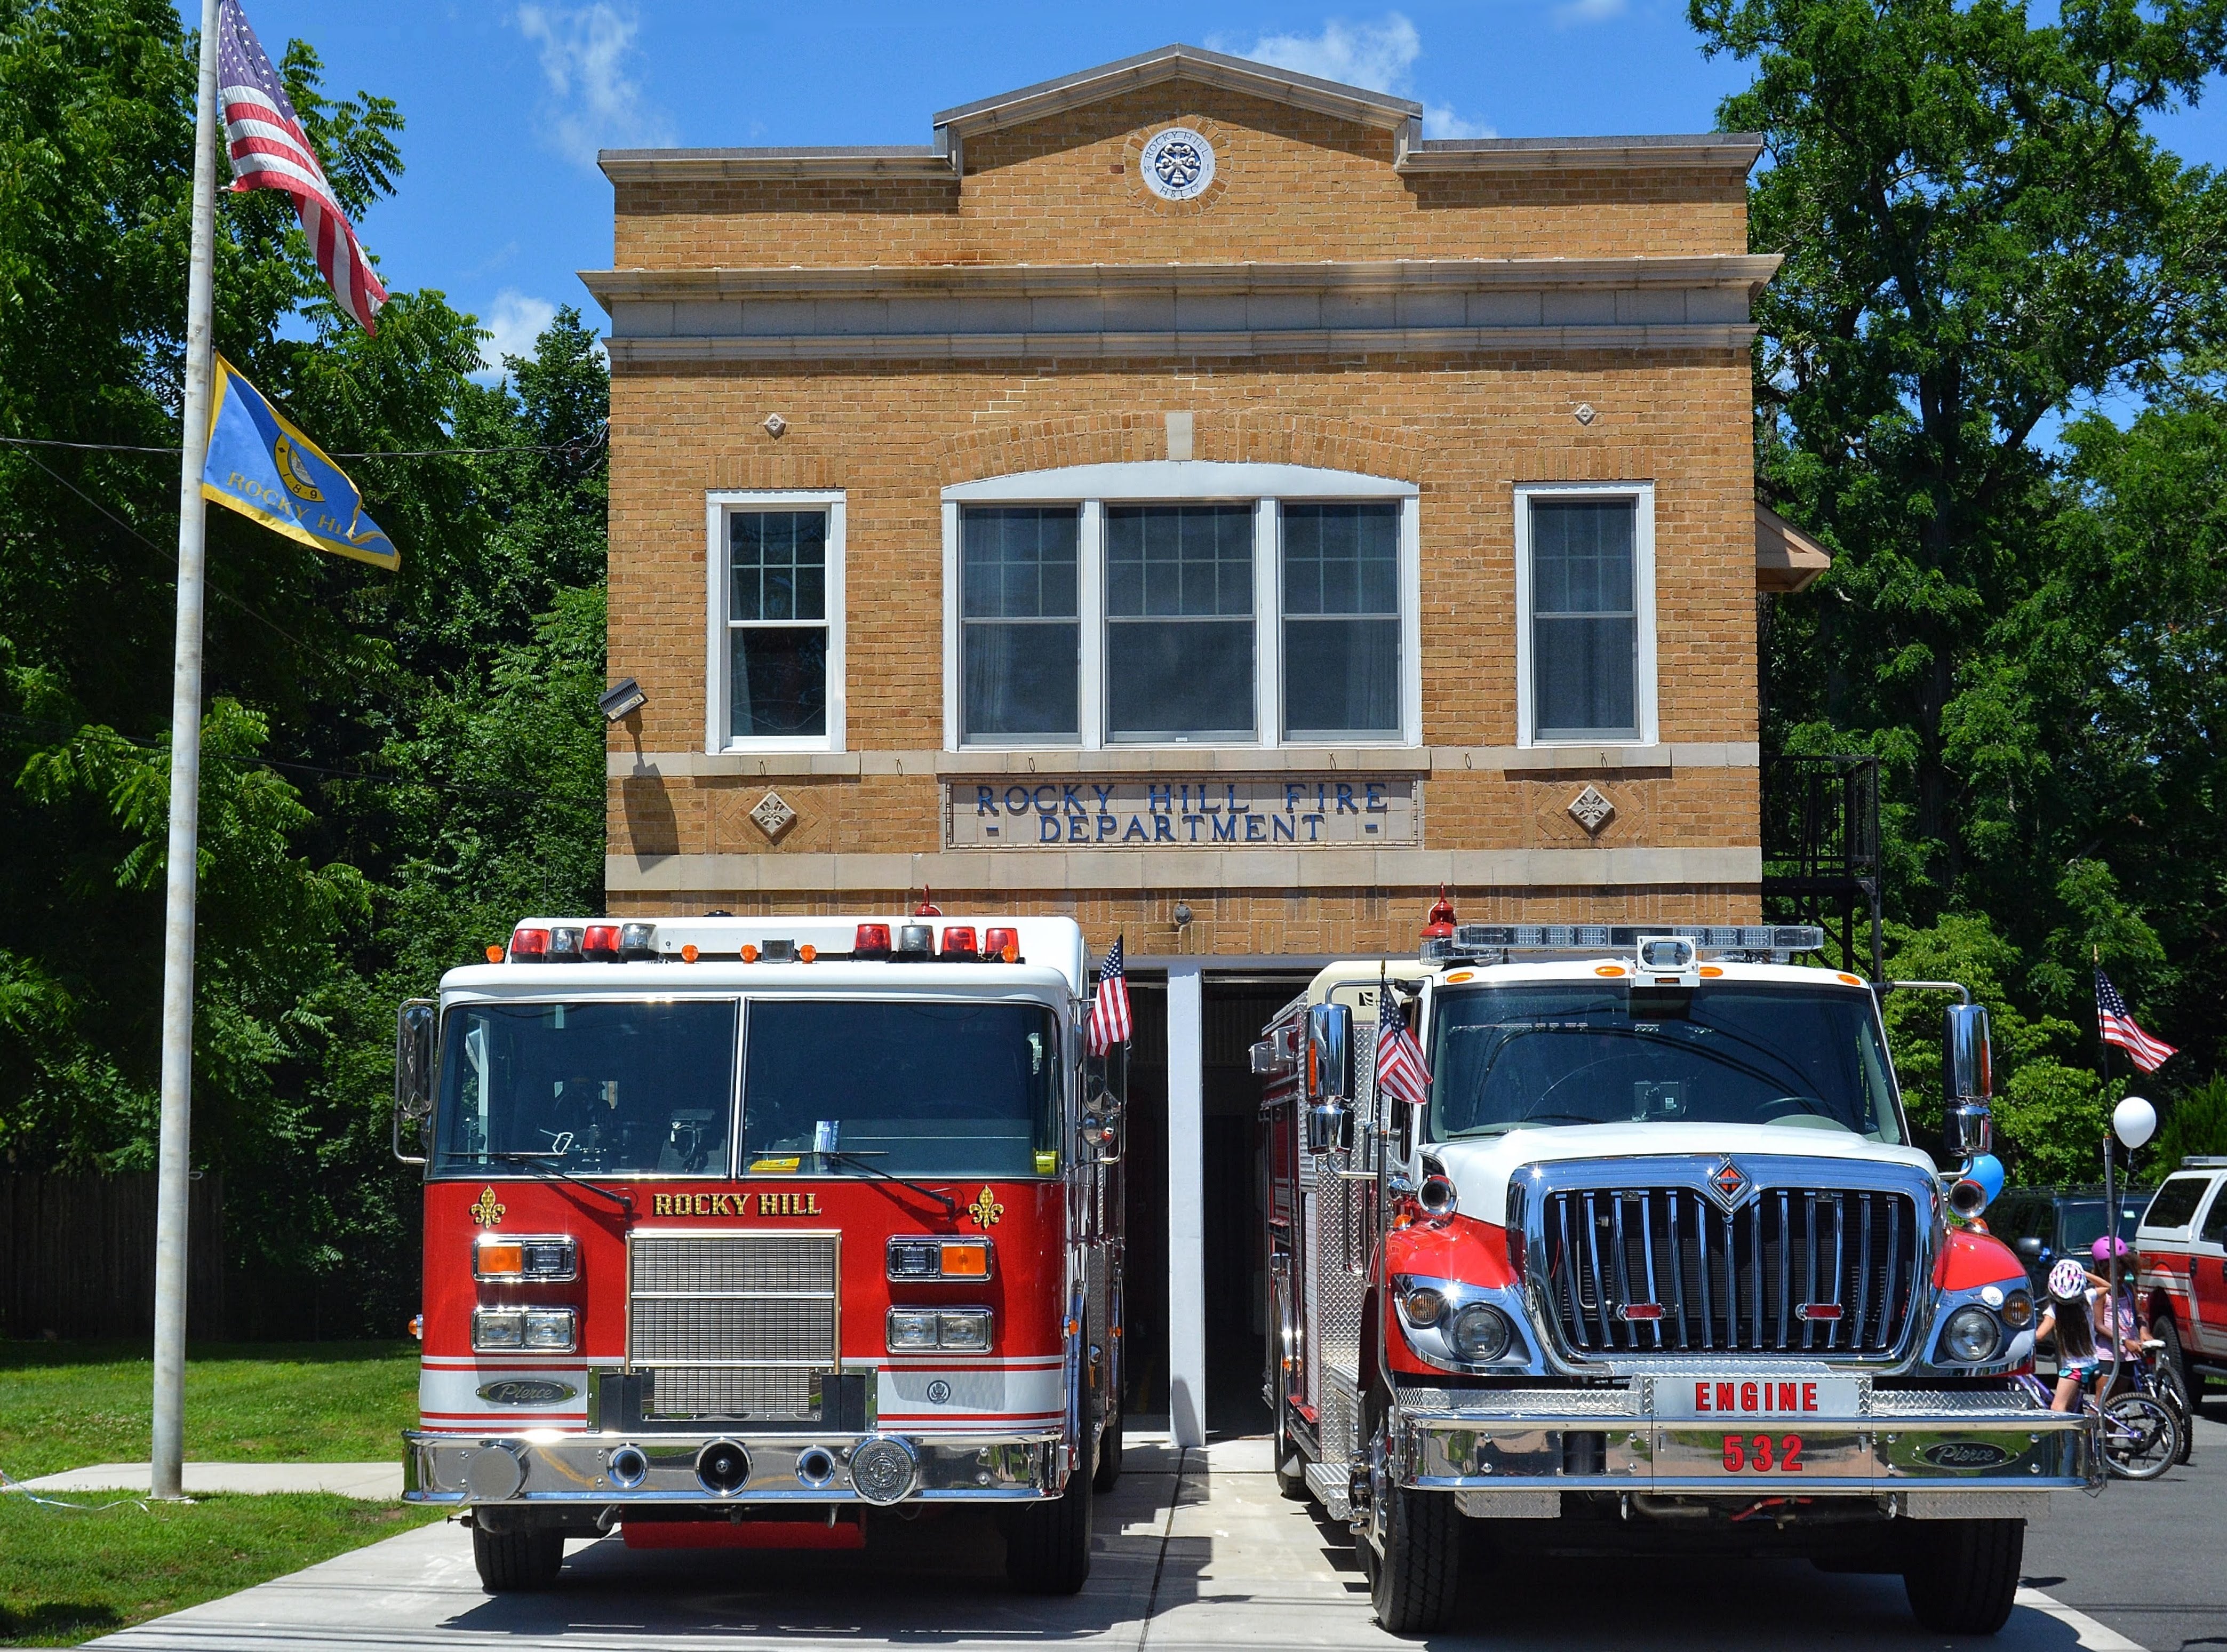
(737, 1231)
(1656, 1268)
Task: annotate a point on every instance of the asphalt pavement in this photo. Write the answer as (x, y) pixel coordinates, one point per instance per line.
(1196, 1550)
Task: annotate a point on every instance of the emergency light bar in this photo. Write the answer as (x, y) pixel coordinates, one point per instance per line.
(1470, 939)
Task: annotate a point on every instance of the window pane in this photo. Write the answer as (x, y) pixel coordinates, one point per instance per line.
(1341, 560)
(1584, 672)
(1021, 677)
(1177, 679)
(1585, 629)
(777, 680)
(1341, 677)
(1172, 560)
(1019, 564)
(1581, 556)
(778, 565)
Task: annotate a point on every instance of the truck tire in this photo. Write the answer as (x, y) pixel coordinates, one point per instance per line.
(517, 1562)
(1048, 1544)
(1962, 1575)
(1108, 1471)
(1415, 1578)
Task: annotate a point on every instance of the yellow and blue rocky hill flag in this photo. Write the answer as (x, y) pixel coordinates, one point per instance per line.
(261, 466)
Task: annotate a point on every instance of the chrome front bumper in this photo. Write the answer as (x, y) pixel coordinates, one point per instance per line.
(1943, 1454)
(551, 1468)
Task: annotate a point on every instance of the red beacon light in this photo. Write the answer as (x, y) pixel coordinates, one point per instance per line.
(928, 907)
(1439, 924)
(529, 947)
(1002, 943)
(601, 943)
(873, 942)
(959, 941)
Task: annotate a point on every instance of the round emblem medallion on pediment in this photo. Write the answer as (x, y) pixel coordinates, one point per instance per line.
(1178, 166)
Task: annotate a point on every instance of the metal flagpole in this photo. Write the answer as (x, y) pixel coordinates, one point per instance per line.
(175, 1158)
(2110, 1197)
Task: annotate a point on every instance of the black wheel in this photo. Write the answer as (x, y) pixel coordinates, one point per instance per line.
(1048, 1544)
(1108, 1471)
(2170, 1358)
(1962, 1575)
(2141, 1437)
(511, 1562)
(1411, 1546)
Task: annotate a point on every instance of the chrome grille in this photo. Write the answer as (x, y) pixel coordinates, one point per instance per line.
(1736, 1283)
(734, 1326)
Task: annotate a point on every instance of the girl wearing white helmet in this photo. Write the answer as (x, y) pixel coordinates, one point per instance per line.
(2072, 1316)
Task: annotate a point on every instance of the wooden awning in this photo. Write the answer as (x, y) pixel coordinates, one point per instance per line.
(1786, 558)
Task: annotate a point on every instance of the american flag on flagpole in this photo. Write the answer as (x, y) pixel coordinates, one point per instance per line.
(1109, 1011)
(2117, 1027)
(1400, 1075)
(269, 150)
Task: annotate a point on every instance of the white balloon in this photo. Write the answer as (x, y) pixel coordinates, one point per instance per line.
(2135, 1121)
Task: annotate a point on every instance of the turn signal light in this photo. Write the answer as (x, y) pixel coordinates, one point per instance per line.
(873, 942)
(959, 941)
(1003, 943)
(552, 1259)
(530, 947)
(494, 953)
(938, 1259)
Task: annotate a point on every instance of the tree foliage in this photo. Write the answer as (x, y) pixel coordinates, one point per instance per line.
(393, 766)
(1983, 244)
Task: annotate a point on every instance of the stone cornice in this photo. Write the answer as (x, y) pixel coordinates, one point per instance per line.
(833, 163)
(1684, 152)
(623, 764)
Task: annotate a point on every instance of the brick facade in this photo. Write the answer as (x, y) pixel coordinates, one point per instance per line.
(889, 419)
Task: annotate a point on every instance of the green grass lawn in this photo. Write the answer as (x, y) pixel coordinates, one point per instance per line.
(68, 1405)
(67, 1575)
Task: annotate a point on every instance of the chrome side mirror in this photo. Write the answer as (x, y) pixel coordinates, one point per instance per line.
(1967, 1081)
(413, 1071)
(1330, 1053)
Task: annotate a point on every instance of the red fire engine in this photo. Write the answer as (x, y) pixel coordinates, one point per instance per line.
(737, 1231)
(1655, 1267)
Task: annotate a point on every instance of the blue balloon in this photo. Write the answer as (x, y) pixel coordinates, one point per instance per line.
(1987, 1171)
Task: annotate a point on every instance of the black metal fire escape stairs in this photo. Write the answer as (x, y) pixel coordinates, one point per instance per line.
(1820, 853)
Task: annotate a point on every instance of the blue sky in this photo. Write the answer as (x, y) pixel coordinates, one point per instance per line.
(507, 100)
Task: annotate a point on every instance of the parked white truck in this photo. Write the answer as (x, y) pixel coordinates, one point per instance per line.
(1657, 1267)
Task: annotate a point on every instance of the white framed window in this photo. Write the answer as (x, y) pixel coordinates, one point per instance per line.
(1182, 602)
(776, 680)
(1584, 613)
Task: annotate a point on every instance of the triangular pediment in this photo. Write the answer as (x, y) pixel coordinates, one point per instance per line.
(1189, 63)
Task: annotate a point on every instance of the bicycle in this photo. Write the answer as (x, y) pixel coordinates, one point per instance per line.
(2141, 1436)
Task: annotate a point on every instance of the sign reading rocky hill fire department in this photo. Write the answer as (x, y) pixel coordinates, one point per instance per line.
(1149, 812)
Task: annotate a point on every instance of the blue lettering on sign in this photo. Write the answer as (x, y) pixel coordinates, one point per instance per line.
(1078, 828)
(1048, 828)
(1292, 790)
(1286, 829)
(1225, 829)
(1230, 788)
(1137, 830)
(1105, 796)
(1106, 827)
(1159, 799)
(1255, 829)
(1164, 829)
(1345, 803)
(1043, 807)
(1314, 822)
(1017, 799)
(1072, 801)
(1377, 803)
(986, 799)
(1205, 808)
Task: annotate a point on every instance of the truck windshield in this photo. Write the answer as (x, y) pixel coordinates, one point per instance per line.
(1507, 1058)
(603, 1087)
(855, 1086)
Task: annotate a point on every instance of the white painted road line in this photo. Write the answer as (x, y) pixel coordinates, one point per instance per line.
(2093, 1636)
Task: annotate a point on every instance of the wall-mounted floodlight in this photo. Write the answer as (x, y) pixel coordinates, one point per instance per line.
(623, 700)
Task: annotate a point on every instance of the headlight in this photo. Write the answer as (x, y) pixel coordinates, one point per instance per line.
(1479, 1334)
(497, 1329)
(911, 1331)
(966, 1330)
(550, 1331)
(1422, 1306)
(1972, 1337)
(2018, 1311)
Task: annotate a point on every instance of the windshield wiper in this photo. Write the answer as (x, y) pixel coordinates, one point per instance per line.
(538, 1163)
(950, 1205)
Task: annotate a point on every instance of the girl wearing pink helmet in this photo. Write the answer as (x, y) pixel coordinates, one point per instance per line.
(2071, 1313)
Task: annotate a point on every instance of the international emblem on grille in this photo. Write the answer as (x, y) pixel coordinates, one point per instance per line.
(1729, 1185)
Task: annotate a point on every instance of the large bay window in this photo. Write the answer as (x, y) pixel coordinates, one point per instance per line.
(776, 622)
(1585, 586)
(1182, 603)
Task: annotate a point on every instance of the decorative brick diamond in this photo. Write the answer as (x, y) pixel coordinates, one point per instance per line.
(773, 814)
(1591, 811)
(775, 425)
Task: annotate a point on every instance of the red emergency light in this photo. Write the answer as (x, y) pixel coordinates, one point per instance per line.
(959, 941)
(873, 942)
(530, 947)
(601, 943)
(1002, 943)
(1439, 924)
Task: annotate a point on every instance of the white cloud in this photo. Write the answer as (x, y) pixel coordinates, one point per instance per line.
(516, 321)
(1380, 55)
(586, 55)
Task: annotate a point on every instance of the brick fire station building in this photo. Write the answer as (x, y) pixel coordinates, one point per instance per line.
(1182, 496)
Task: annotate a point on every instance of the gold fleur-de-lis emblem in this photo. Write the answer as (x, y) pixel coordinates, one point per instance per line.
(985, 1211)
(486, 1213)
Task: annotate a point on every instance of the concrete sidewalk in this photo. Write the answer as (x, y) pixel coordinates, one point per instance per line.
(378, 1482)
